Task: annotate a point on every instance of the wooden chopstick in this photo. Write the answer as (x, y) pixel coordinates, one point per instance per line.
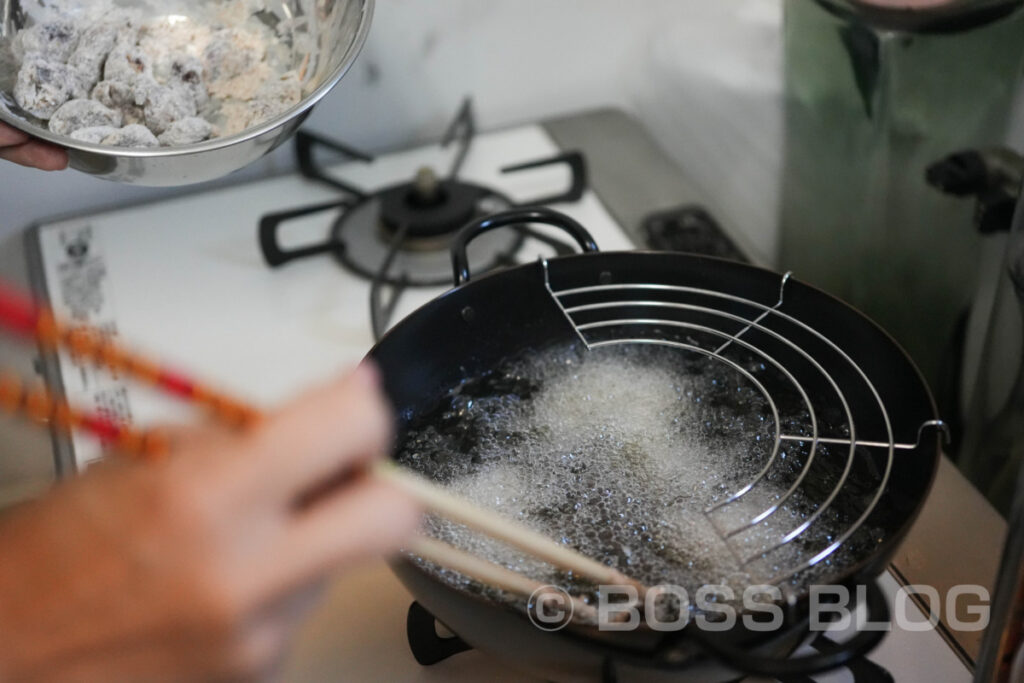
(491, 523)
(19, 314)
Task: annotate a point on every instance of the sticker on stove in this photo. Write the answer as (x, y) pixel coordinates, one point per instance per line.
(82, 271)
(79, 282)
(112, 403)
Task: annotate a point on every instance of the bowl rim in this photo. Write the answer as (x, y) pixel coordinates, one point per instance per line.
(353, 51)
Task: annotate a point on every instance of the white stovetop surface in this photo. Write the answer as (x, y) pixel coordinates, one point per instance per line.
(183, 280)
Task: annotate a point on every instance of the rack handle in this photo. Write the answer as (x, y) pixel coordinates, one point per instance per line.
(460, 261)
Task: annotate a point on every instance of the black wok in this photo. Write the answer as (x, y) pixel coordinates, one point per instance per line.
(828, 350)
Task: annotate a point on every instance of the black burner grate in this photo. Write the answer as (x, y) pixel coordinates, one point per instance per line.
(400, 236)
(429, 648)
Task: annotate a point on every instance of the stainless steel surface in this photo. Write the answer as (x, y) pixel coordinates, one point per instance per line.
(337, 33)
(637, 298)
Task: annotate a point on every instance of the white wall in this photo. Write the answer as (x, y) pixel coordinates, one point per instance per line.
(696, 71)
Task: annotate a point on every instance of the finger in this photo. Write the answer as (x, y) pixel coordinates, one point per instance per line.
(199, 438)
(365, 520)
(279, 619)
(294, 607)
(36, 154)
(299, 604)
(11, 136)
(324, 433)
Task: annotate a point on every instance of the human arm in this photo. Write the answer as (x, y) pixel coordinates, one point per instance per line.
(199, 566)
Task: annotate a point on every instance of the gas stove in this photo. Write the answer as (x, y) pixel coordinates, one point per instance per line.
(270, 287)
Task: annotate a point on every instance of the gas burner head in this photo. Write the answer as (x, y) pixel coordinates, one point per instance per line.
(418, 221)
(430, 210)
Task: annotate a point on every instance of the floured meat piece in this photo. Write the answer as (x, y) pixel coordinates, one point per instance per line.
(163, 105)
(54, 40)
(186, 71)
(272, 99)
(125, 62)
(121, 96)
(95, 135)
(134, 135)
(76, 114)
(184, 79)
(44, 85)
(187, 131)
(235, 65)
(95, 44)
(166, 38)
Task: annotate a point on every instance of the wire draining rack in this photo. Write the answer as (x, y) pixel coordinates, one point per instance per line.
(822, 402)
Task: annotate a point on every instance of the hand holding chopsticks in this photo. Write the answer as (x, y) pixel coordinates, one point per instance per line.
(199, 565)
(19, 314)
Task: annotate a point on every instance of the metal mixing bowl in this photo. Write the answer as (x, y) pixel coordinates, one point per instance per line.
(335, 30)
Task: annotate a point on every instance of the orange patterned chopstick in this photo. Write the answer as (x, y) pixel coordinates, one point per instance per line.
(39, 406)
(19, 314)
